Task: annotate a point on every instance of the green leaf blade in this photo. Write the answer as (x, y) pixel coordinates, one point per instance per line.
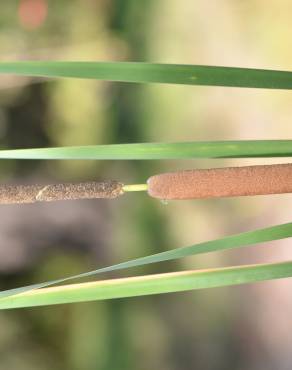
(148, 285)
(159, 151)
(153, 73)
(230, 242)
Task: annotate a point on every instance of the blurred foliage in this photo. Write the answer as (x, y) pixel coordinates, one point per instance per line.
(204, 330)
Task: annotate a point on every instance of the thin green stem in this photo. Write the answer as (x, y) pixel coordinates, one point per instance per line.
(135, 187)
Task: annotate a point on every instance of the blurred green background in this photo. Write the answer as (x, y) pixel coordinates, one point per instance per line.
(247, 327)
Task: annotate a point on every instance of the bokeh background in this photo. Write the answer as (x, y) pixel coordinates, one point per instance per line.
(238, 328)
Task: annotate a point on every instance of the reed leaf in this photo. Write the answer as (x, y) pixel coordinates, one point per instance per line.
(150, 284)
(230, 242)
(153, 73)
(159, 151)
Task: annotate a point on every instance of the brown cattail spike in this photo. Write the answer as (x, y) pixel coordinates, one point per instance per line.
(222, 182)
(39, 193)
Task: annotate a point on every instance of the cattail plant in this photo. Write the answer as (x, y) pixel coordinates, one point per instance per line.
(191, 184)
(188, 184)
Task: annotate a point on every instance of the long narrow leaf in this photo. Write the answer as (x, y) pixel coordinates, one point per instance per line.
(230, 242)
(157, 73)
(146, 285)
(184, 150)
